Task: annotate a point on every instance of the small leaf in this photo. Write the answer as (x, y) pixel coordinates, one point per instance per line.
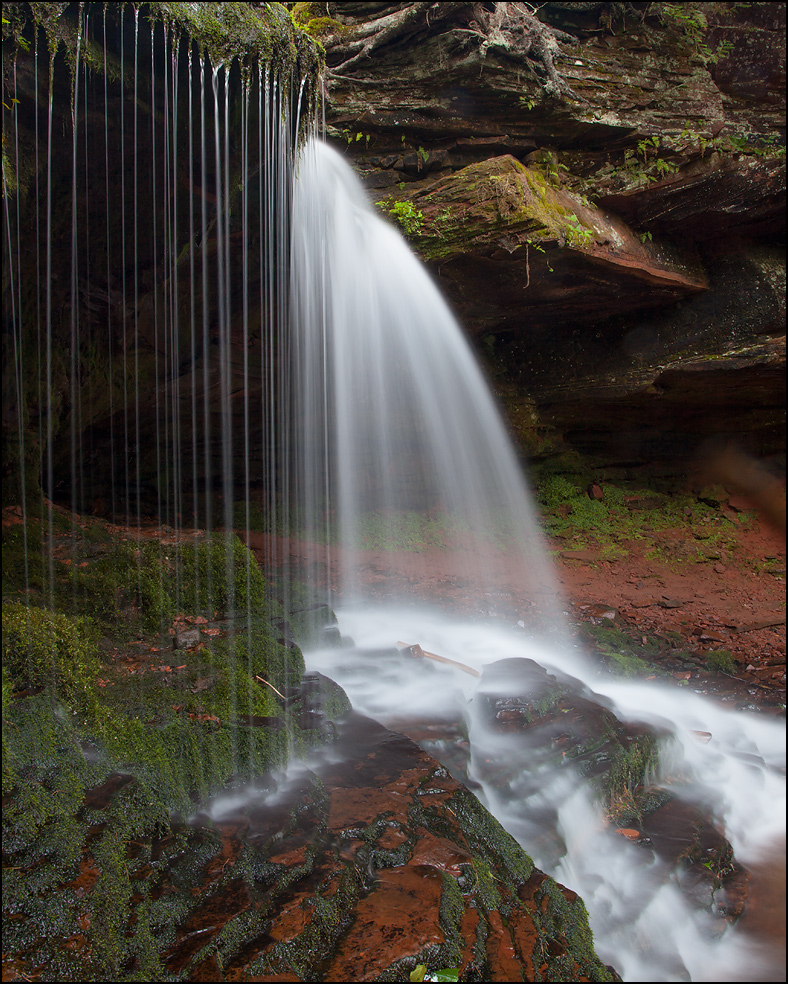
(421, 969)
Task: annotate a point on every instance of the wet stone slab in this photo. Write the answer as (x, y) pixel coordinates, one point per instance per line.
(368, 862)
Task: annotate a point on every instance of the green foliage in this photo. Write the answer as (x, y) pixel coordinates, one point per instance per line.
(406, 215)
(576, 233)
(530, 244)
(727, 142)
(644, 164)
(15, 30)
(690, 19)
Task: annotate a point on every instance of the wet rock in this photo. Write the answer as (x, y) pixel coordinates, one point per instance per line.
(186, 638)
(485, 222)
(553, 719)
(377, 864)
(600, 612)
(655, 139)
(699, 858)
(315, 627)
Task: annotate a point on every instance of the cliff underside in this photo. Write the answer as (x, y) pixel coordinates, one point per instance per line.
(600, 193)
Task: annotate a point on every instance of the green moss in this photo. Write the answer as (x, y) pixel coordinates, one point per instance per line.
(128, 585)
(626, 665)
(624, 655)
(721, 661)
(316, 20)
(50, 651)
(173, 735)
(217, 574)
(451, 911)
(489, 843)
(625, 514)
(565, 919)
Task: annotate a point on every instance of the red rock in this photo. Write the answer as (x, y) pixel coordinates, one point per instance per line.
(397, 919)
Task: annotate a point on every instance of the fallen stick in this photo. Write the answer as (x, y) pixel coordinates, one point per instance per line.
(261, 680)
(417, 652)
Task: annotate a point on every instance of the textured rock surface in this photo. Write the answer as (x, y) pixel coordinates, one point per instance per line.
(657, 326)
(374, 862)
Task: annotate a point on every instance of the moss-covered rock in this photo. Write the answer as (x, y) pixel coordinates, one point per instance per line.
(101, 744)
(550, 720)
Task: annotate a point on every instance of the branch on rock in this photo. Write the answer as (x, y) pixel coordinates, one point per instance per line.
(514, 31)
(367, 37)
(511, 29)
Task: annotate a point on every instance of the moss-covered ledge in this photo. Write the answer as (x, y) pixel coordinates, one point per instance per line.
(250, 33)
(505, 238)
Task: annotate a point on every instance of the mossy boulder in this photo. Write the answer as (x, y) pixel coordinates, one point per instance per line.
(549, 719)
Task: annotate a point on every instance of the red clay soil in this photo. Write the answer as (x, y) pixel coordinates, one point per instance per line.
(735, 602)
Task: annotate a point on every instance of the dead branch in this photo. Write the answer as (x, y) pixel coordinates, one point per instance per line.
(510, 29)
(418, 653)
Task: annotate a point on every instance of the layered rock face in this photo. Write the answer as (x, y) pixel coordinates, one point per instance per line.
(600, 193)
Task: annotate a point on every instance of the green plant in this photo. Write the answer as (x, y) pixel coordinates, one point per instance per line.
(529, 244)
(406, 215)
(692, 22)
(576, 233)
(421, 974)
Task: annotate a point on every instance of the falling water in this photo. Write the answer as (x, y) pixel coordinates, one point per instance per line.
(177, 237)
(150, 354)
(398, 439)
(396, 420)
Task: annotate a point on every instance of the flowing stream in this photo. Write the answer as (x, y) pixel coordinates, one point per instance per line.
(396, 422)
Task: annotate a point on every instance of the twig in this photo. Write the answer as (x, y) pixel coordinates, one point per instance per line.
(417, 652)
(261, 680)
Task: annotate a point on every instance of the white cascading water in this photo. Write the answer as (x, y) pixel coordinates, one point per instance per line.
(394, 418)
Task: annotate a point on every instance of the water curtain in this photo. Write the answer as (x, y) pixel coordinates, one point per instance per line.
(147, 171)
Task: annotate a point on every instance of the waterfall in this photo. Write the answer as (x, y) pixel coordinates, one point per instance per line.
(399, 442)
(395, 421)
(267, 344)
